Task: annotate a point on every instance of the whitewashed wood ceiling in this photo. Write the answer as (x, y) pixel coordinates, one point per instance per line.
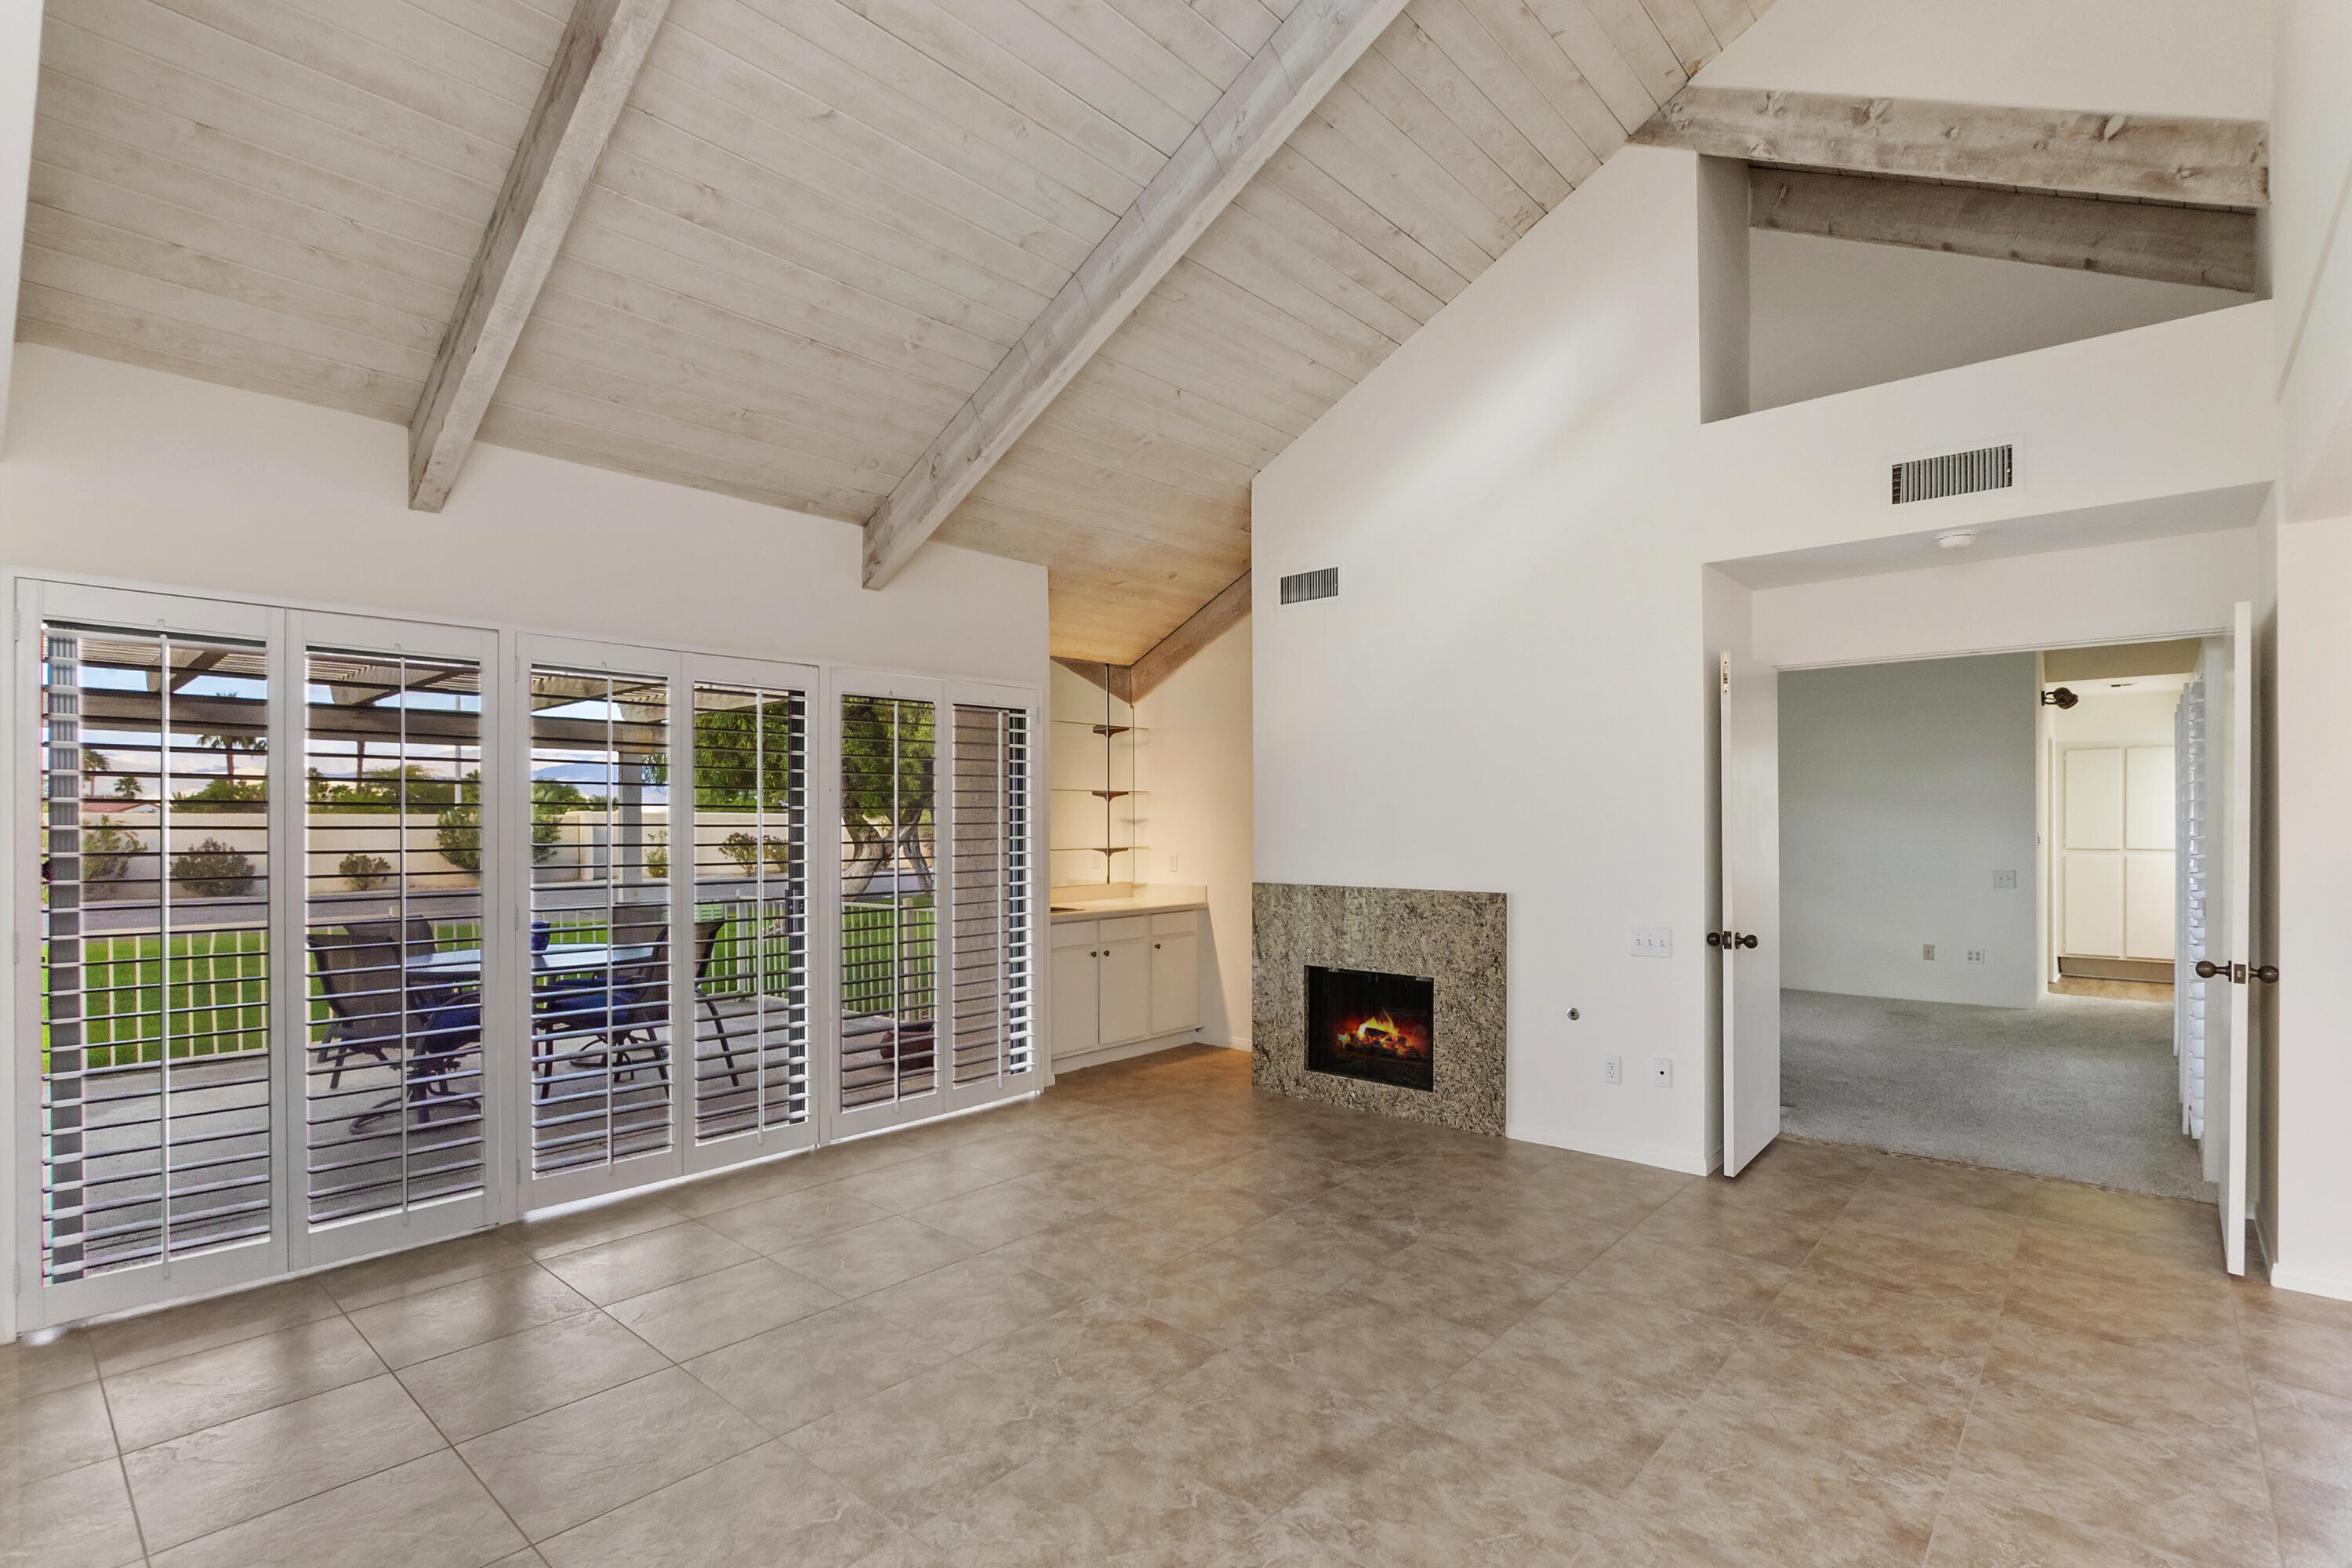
(818, 225)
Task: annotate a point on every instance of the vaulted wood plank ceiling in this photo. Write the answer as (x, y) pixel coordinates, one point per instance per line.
(817, 227)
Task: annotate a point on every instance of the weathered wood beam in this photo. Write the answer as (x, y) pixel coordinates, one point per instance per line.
(2210, 245)
(1207, 624)
(596, 65)
(2210, 162)
(1282, 82)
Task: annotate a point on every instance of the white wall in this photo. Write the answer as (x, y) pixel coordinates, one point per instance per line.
(132, 474)
(2137, 591)
(1904, 787)
(1523, 501)
(2169, 56)
(1196, 766)
(1828, 315)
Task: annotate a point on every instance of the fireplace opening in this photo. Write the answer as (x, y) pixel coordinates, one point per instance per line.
(1362, 1023)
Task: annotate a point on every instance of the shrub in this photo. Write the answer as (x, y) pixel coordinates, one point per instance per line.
(106, 854)
(213, 871)
(364, 873)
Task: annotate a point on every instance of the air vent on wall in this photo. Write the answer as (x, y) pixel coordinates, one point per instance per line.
(1301, 586)
(1956, 474)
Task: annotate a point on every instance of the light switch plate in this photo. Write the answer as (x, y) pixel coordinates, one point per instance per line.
(1653, 942)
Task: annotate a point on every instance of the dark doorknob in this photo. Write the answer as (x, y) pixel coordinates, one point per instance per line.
(1715, 939)
(1747, 939)
(2207, 969)
(2267, 973)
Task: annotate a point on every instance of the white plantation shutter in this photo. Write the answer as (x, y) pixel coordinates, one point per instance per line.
(890, 945)
(991, 942)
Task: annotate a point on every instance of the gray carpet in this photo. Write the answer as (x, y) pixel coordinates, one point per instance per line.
(2080, 1087)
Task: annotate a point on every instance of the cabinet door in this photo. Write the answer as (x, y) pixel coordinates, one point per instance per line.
(1175, 983)
(1076, 989)
(1126, 990)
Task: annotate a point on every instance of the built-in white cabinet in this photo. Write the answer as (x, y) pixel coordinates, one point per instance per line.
(1120, 981)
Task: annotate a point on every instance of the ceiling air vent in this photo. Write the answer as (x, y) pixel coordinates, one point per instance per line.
(1956, 474)
(1301, 586)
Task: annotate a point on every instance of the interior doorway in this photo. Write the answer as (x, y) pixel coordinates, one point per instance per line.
(1982, 900)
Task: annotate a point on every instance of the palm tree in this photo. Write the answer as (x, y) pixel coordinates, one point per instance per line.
(229, 746)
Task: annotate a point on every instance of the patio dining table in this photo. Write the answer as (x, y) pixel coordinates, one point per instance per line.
(458, 965)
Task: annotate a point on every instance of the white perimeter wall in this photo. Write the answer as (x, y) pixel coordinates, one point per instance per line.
(1904, 787)
(1196, 766)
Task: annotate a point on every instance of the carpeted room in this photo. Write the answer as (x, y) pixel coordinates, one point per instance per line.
(1933, 1002)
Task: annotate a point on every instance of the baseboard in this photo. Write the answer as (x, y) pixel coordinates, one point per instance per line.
(1664, 1156)
(2311, 1281)
(1226, 1042)
(1102, 1055)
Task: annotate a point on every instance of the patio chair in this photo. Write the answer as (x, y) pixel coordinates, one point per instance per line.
(364, 986)
(615, 1005)
(719, 1009)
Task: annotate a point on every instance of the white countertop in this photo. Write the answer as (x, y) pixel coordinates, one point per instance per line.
(1147, 901)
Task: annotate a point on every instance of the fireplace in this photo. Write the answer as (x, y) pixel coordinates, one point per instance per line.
(1364, 1023)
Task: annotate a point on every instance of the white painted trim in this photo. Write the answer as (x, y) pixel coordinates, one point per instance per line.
(1108, 1054)
(2311, 1281)
(1226, 1042)
(1665, 1157)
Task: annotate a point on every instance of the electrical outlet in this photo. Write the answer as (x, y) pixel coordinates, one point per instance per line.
(1976, 955)
(1662, 1071)
(1612, 1069)
(1653, 942)
(1171, 862)
(1927, 951)
(2004, 879)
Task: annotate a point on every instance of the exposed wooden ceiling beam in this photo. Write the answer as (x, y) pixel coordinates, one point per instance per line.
(2210, 162)
(1207, 624)
(1282, 82)
(596, 65)
(2208, 245)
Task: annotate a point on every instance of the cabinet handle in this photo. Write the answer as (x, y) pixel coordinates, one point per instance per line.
(1155, 947)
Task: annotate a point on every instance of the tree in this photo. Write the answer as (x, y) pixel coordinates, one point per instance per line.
(459, 829)
(886, 747)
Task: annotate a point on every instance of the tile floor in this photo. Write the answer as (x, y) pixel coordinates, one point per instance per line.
(1155, 1318)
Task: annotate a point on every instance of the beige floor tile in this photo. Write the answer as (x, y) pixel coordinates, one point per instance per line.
(772, 1225)
(48, 1433)
(1722, 1217)
(572, 1464)
(1761, 1492)
(1700, 1279)
(616, 1271)
(423, 1268)
(2314, 1520)
(2156, 1386)
(2298, 1353)
(2255, 1296)
(1909, 1262)
(560, 1234)
(1976, 1530)
(866, 1258)
(790, 1376)
(1825, 1398)
(1414, 1495)
(1586, 1328)
(81, 1518)
(931, 1179)
(1629, 1537)
(1382, 1356)
(2148, 1311)
(428, 1513)
(2204, 1501)
(1590, 1428)
(1197, 1212)
(1248, 1427)
(1479, 1290)
(1084, 1503)
(1099, 1251)
(1924, 1336)
(435, 1322)
(2305, 1433)
(224, 1474)
(1222, 1298)
(27, 1369)
(152, 1337)
(1095, 1359)
(1009, 1210)
(1903, 1211)
(943, 1434)
(172, 1398)
(484, 1387)
(1323, 1253)
(973, 1301)
(767, 1505)
(699, 1315)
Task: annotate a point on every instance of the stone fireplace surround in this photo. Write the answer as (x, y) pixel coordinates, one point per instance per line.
(1459, 940)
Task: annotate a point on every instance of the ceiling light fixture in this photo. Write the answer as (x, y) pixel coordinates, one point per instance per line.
(1958, 539)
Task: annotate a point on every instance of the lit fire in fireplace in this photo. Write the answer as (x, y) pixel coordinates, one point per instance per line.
(1380, 1036)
